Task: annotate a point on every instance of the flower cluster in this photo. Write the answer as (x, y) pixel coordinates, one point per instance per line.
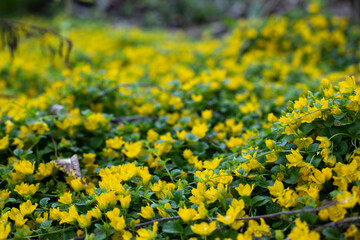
(184, 138)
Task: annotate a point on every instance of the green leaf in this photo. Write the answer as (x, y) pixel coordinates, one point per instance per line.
(308, 217)
(144, 157)
(184, 120)
(46, 224)
(307, 127)
(173, 227)
(178, 195)
(354, 129)
(258, 201)
(342, 148)
(192, 137)
(332, 233)
(44, 201)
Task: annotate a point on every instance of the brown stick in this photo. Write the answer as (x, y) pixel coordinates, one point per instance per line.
(326, 204)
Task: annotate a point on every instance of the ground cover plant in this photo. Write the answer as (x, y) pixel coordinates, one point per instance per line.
(255, 135)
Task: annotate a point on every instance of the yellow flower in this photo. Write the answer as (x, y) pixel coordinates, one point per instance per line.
(84, 220)
(44, 170)
(54, 213)
(277, 189)
(4, 142)
(301, 232)
(77, 185)
(152, 136)
(27, 208)
(230, 216)
(352, 231)
(245, 190)
(122, 235)
(24, 167)
(181, 135)
(117, 222)
(272, 157)
(5, 229)
(79, 232)
(324, 142)
(196, 98)
(259, 230)
(40, 219)
(106, 199)
(206, 114)
(95, 212)
(204, 229)
(108, 152)
(144, 234)
(295, 159)
(18, 143)
(199, 130)
(125, 201)
(4, 195)
(347, 86)
(336, 213)
(18, 218)
(95, 121)
(147, 212)
(115, 143)
(39, 128)
(66, 198)
(234, 142)
(70, 216)
(187, 214)
(302, 143)
(25, 189)
(9, 126)
(132, 149)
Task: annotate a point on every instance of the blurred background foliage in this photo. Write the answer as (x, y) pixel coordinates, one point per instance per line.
(172, 13)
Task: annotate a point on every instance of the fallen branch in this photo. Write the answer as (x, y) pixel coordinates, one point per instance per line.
(341, 224)
(326, 204)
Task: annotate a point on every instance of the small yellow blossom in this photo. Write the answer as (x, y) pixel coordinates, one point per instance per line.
(66, 198)
(25, 189)
(125, 201)
(24, 167)
(77, 185)
(115, 143)
(147, 212)
(301, 232)
(70, 216)
(132, 149)
(204, 229)
(27, 208)
(199, 130)
(144, 234)
(5, 230)
(245, 190)
(9, 126)
(95, 213)
(4, 142)
(18, 218)
(84, 221)
(18, 143)
(44, 217)
(187, 214)
(152, 136)
(54, 213)
(295, 159)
